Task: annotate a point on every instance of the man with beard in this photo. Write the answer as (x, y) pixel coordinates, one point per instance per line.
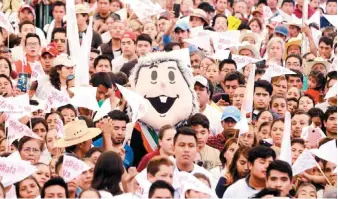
(114, 137)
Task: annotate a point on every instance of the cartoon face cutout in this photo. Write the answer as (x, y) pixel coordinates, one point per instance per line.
(165, 86)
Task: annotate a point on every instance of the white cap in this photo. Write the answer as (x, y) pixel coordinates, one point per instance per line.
(64, 60)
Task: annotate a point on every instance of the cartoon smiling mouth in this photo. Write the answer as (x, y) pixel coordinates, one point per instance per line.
(162, 103)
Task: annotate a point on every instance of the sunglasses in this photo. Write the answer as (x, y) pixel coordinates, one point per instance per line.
(61, 40)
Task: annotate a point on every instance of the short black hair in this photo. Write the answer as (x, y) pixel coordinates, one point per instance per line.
(25, 23)
(52, 182)
(30, 35)
(226, 61)
(326, 40)
(144, 37)
(160, 184)
(59, 30)
(199, 119)
(235, 76)
(263, 84)
(218, 16)
(331, 1)
(262, 2)
(320, 79)
(260, 152)
(185, 131)
(169, 46)
(330, 110)
(267, 191)
(118, 115)
(281, 166)
(298, 74)
(67, 106)
(206, 7)
(295, 56)
(330, 76)
(102, 57)
(101, 78)
(58, 3)
(288, 1)
(94, 50)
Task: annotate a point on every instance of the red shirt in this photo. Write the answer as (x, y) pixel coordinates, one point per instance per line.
(299, 13)
(144, 161)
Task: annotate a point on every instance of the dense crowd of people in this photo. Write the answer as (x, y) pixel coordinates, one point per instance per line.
(261, 78)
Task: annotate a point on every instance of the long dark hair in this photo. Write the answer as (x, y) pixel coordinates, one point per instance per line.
(54, 77)
(108, 173)
(17, 185)
(233, 166)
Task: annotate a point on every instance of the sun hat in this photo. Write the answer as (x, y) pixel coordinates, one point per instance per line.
(200, 14)
(248, 46)
(248, 33)
(64, 60)
(77, 132)
(231, 112)
(317, 60)
(81, 9)
(290, 42)
(26, 6)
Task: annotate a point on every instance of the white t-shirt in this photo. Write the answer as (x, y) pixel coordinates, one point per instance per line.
(240, 189)
(214, 117)
(118, 62)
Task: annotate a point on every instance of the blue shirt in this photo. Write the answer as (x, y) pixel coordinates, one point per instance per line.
(128, 159)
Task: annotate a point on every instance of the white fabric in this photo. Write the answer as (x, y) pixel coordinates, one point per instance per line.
(239, 189)
(17, 54)
(214, 117)
(105, 194)
(118, 62)
(11, 194)
(41, 34)
(106, 37)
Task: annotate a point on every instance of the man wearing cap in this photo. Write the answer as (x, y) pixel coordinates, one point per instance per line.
(48, 55)
(198, 18)
(230, 117)
(281, 31)
(181, 30)
(27, 13)
(204, 89)
(128, 45)
(82, 16)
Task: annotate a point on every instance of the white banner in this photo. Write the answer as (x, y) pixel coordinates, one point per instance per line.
(72, 168)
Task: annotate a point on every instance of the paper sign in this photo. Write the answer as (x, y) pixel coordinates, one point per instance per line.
(12, 170)
(201, 42)
(60, 132)
(37, 72)
(223, 41)
(72, 168)
(16, 104)
(145, 8)
(242, 61)
(332, 92)
(275, 70)
(221, 55)
(183, 55)
(85, 96)
(233, 23)
(16, 130)
(242, 125)
(199, 32)
(4, 23)
(249, 92)
(304, 162)
(122, 13)
(103, 111)
(56, 98)
(267, 13)
(327, 151)
(285, 153)
(315, 18)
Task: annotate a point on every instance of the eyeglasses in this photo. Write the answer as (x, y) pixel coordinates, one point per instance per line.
(28, 149)
(61, 40)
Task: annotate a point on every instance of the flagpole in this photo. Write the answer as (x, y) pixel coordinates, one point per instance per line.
(305, 18)
(323, 174)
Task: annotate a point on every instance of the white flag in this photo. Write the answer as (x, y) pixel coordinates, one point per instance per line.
(332, 19)
(103, 111)
(16, 104)
(37, 71)
(4, 23)
(315, 18)
(327, 151)
(85, 96)
(304, 162)
(242, 125)
(242, 61)
(267, 13)
(249, 92)
(137, 103)
(285, 153)
(275, 70)
(56, 98)
(332, 92)
(72, 167)
(221, 41)
(60, 132)
(221, 55)
(17, 130)
(201, 42)
(72, 30)
(122, 13)
(13, 170)
(183, 55)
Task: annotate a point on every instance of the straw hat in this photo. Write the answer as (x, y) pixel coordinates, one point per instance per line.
(248, 46)
(248, 33)
(292, 41)
(201, 14)
(77, 132)
(317, 60)
(81, 9)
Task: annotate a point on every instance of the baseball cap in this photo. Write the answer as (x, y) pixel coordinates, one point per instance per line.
(81, 9)
(182, 24)
(231, 112)
(26, 6)
(202, 80)
(129, 35)
(282, 30)
(64, 60)
(49, 49)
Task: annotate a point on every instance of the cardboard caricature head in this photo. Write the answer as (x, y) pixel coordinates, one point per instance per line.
(167, 85)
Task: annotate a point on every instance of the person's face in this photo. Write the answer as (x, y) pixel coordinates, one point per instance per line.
(331, 124)
(195, 194)
(264, 133)
(280, 181)
(162, 25)
(181, 35)
(238, 97)
(95, 156)
(228, 127)
(202, 94)
(221, 24)
(249, 39)
(117, 30)
(305, 104)
(81, 19)
(118, 131)
(294, 49)
(195, 60)
(185, 149)
(127, 46)
(255, 27)
(241, 7)
(51, 141)
(52, 121)
(324, 50)
(293, 91)
(279, 106)
(4, 147)
(229, 153)
(331, 8)
(202, 135)
(115, 6)
(42, 175)
(40, 130)
(103, 6)
(227, 68)
(259, 166)
(230, 87)
(143, 48)
(60, 39)
(68, 115)
(296, 150)
(279, 88)
(65, 71)
(317, 122)
(261, 98)
(329, 172)
(242, 166)
(293, 63)
(297, 124)
(212, 73)
(288, 8)
(150, 29)
(196, 21)
(32, 46)
(26, 15)
(103, 66)
(205, 63)
(295, 82)
(47, 62)
(58, 13)
(5, 86)
(275, 51)
(55, 191)
(266, 116)
(86, 177)
(307, 192)
(4, 68)
(320, 67)
(31, 151)
(314, 4)
(167, 142)
(90, 194)
(29, 189)
(277, 131)
(92, 58)
(246, 52)
(248, 138)
(161, 194)
(221, 6)
(165, 173)
(2, 134)
(312, 83)
(293, 32)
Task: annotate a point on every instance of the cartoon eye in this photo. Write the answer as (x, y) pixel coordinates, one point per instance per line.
(154, 76)
(171, 76)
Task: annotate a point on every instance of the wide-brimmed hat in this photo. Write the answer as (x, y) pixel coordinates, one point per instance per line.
(290, 42)
(248, 33)
(251, 47)
(63, 60)
(77, 132)
(201, 14)
(82, 9)
(317, 60)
